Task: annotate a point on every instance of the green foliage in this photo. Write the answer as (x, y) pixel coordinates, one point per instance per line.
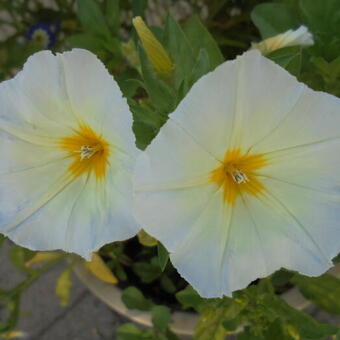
(138, 7)
(281, 277)
(10, 299)
(161, 317)
(133, 298)
(163, 256)
(2, 239)
(317, 66)
(289, 58)
(148, 271)
(189, 298)
(304, 324)
(129, 331)
(194, 52)
(178, 45)
(112, 15)
(324, 291)
(215, 315)
(200, 38)
(19, 256)
(274, 18)
(92, 18)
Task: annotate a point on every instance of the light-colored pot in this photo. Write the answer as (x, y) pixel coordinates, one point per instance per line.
(183, 323)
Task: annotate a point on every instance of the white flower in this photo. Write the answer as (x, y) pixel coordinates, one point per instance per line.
(300, 36)
(67, 152)
(244, 178)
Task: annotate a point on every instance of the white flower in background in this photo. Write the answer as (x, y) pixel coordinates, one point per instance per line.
(67, 153)
(300, 36)
(244, 178)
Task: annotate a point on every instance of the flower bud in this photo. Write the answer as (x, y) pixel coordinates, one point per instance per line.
(158, 56)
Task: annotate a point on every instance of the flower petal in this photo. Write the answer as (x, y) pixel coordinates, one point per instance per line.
(45, 205)
(220, 246)
(92, 91)
(217, 101)
(314, 118)
(254, 238)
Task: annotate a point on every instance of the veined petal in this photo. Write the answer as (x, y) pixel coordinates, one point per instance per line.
(216, 114)
(95, 94)
(314, 118)
(272, 199)
(101, 212)
(68, 152)
(40, 90)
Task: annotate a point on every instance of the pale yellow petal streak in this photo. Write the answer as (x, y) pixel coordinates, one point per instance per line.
(31, 209)
(27, 136)
(302, 148)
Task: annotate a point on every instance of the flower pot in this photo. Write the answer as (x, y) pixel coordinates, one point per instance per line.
(183, 323)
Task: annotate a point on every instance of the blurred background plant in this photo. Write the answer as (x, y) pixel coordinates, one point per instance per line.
(155, 62)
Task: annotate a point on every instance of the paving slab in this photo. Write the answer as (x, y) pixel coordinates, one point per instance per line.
(42, 317)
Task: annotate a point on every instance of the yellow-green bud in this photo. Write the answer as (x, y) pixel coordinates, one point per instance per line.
(158, 56)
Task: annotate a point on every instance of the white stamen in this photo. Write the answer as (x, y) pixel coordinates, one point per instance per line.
(86, 152)
(239, 177)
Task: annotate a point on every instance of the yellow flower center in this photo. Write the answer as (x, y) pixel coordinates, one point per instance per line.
(238, 174)
(89, 150)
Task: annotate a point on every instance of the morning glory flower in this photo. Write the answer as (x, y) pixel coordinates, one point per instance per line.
(298, 37)
(244, 178)
(67, 153)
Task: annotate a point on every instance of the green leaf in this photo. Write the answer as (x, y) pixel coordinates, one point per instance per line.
(200, 38)
(146, 123)
(161, 95)
(181, 52)
(163, 256)
(129, 331)
(86, 41)
(63, 286)
(167, 284)
(213, 316)
(281, 277)
(337, 337)
(306, 326)
(19, 256)
(138, 7)
(189, 298)
(201, 67)
(161, 317)
(247, 335)
(2, 239)
(274, 18)
(112, 15)
(321, 16)
(148, 271)
(92, 18)
(231, 325)
(280, 331)
(336, 259)
(289, 58)
(324, 291)
(145, 239)
(134, 299)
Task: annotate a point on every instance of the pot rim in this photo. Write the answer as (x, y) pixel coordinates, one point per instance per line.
(183, 323)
